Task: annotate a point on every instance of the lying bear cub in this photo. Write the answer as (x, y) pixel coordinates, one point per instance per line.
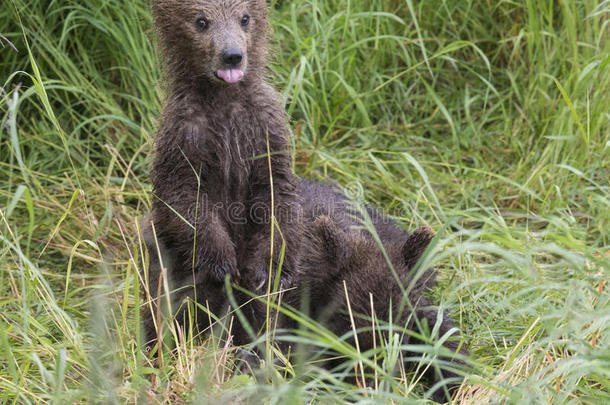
(340, 258)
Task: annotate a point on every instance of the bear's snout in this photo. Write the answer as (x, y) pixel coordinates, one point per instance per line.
(232, 57)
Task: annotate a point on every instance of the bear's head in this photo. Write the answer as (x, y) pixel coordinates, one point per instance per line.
(220, 42)
(332, 254)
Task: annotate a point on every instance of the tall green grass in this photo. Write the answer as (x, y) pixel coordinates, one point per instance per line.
(488, 121)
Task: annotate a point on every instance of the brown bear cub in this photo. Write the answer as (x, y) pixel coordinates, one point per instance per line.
(337, 250)
(222, 129)
(222, 170)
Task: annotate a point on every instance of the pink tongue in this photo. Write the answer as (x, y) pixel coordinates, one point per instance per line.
(230, 75)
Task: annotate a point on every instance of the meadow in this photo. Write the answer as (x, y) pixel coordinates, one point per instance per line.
(489, 121)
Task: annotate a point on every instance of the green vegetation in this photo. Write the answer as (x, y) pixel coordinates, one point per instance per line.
(487, 120)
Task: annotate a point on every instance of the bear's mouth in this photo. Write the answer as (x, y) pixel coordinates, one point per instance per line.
(229, 75)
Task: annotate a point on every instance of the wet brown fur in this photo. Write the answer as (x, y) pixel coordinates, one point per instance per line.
(211, 180)
(336, 250)
(208, 176)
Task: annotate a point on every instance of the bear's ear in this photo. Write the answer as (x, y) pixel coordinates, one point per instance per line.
(331, 240)
(260, 6)
(416, 245)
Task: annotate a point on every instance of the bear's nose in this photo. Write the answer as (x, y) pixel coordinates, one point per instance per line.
(232, 57)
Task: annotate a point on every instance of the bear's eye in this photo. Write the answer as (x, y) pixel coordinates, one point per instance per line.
(245, 20)
(201, 23)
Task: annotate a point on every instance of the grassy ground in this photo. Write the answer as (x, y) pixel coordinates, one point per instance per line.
(487, 120)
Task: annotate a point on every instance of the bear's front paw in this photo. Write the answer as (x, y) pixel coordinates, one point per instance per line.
(218, 269)
(258, 276)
